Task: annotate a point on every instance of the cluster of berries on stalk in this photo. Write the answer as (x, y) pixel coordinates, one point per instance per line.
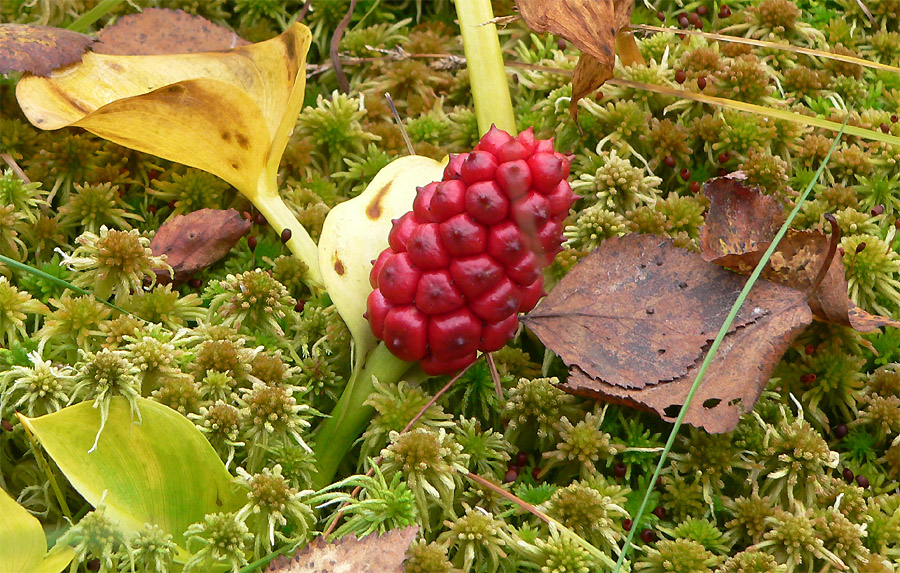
(468, 257)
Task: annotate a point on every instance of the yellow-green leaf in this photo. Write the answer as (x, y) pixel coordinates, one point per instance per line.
(23, 546)
(355, 232)
(161, 471)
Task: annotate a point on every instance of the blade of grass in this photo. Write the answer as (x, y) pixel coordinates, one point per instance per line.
(57, 281)
(715, 346)
(94, 14)
(774, 45)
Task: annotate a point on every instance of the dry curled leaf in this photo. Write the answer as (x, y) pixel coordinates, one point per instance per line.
(39, 49)
(372, 554)
(164, 31)
(195, 241)
(739, 228)
(592, 26)
(634, 320)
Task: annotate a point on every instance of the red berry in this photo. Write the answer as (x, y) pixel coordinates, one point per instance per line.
(195, 283)
(724, 157)
(685, 173)
(422, 202)
(724, 11)
(840, 431)
(847, 474)
(661, 16)
(400, 230)
(449, 199)
(495, 335)
(680, 76)
(486, 202)
(513, 151)
(475, 275)
(877, 210)
(510, 476)
(152, 209)
(527, 139)
(531, 294)
(660, 512)
(521, 459)
(894, 118)
(619, 470)
(809, 349)
(701, 83)
(560, 200)
(425, 248)
(259, 219)
(493, 140)
(525, 270)
(683, 21)
(648, 536)
(377, 308)
(862, 481)
(536, 472)
(497, 303)
(451, 171)
(251, 242)
(531, 212)
(462, 236)
(454, 335)
(478, 166)
(405, 332)
(695, 186)
(547, 170)
(398, 279)
(702, 10)
(436, 293)
(627, 524)
(885, 128)
(694, 19)
(514, 178)
(433, 367)
(505, 243)
(669, 161)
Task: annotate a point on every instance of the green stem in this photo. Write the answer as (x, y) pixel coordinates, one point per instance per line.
(349, 418)
(487, 75)
(273, 208)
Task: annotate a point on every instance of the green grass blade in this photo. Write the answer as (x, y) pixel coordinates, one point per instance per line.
(94, 14)
(715, 346)
(57, 281)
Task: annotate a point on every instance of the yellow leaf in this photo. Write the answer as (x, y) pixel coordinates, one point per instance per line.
(229, 113)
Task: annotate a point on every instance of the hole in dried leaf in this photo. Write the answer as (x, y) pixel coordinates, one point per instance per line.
(682, 285)
(734, 402)
(672, 410)
(711, 403)
(661, 351)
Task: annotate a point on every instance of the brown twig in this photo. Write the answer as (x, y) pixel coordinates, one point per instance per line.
(343, 82)
(8, 159)
(495, 376)
(304, 10)
(832, 249)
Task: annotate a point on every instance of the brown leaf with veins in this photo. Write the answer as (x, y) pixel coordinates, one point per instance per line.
(372, 554)
(592, 26)
(635, 318)
(195, 241)
(165, 31)
(740, 225)
(39, 49)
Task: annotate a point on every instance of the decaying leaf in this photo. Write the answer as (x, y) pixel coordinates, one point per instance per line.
(592, 26)
(39, 49)
(164, 31)
(635, 318)
(372, 554)
(740, 226)
(195, 241)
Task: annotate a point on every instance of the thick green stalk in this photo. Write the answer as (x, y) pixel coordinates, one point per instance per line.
(349, 418)
(490, 90)
(487, 75)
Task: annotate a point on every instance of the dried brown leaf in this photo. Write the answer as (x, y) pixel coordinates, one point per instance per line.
(165, 31)
(740, 226)
(194, 241)
(39, 49)
(634, 320)
(371, 554)
(592, 26)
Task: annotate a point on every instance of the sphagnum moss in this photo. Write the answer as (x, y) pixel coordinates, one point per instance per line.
(802, 485)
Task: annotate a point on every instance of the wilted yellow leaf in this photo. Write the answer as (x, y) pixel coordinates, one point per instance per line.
(229, 113)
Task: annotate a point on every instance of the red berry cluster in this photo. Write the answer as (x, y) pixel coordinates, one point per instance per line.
(468, 258)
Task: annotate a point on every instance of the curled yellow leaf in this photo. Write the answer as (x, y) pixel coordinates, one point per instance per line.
(229, 113)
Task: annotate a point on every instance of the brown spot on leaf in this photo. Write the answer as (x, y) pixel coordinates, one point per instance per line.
(242, 140)
(226, 136)
(339, 267)
(373, 209)
(165, 31)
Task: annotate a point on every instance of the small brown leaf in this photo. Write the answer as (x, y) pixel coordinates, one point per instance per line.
(592, 26)
(164, 31)
(740, 226)
(372, 554)
(39, 49)
(198, 239)
(634, 320)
